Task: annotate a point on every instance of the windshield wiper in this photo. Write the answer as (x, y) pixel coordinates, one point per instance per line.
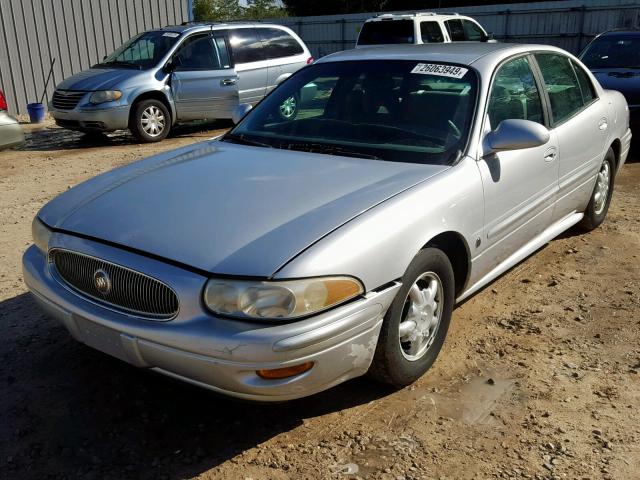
(328, 149)
(242, 139)
(119, 63)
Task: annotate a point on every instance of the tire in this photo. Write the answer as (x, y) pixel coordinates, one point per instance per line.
(597, 209)
(400, 363)
(150, 121)
(289, 108)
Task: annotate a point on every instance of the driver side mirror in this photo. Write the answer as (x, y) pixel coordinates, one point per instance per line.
(515, 134)
(239, 112)
(169, 67)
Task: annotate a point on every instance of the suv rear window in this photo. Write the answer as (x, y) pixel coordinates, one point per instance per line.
(387, 32)
(278, 43)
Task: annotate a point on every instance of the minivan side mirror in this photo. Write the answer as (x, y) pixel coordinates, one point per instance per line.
(239, 112)
(169, 67)
(515, 134)
(488, 37)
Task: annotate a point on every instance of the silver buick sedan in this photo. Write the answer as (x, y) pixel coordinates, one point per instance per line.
(295, 253)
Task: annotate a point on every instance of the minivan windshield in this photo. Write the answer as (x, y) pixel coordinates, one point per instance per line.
(395, 110)
(142, 51)
(615, 51)
(384, 32)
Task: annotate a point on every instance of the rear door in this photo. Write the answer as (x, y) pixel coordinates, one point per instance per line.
(580, 121)
(203, 82)
(250, 64)
(284, 54)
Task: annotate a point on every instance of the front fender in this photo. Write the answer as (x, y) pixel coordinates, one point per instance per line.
(162, 88)
(378, 246)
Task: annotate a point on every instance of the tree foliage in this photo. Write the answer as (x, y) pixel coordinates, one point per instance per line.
(227, 10)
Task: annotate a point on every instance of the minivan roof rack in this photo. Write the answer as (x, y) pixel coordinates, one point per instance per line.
(414, 14)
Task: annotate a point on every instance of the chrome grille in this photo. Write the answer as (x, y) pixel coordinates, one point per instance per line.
(130, 291)
(66, 99)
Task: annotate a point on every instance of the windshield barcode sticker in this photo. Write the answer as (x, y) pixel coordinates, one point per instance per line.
(440, 70)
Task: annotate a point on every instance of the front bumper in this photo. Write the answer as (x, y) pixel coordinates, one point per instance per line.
(216, 353)
(96, 119)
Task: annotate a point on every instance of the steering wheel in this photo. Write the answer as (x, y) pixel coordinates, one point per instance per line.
(456, 131)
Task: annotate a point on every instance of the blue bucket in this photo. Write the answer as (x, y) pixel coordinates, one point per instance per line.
(36, 112)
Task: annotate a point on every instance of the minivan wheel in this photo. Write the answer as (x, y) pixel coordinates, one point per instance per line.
(289, 108)
(150, 121)
(417, 321)
(598, 206)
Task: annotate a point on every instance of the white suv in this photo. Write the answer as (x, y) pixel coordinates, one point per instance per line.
(419, 28)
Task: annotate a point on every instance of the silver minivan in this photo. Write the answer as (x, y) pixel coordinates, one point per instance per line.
(180, 74)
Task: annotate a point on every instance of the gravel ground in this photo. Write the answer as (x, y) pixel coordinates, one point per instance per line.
(539, 377)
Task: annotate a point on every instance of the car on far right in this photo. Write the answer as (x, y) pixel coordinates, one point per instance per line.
(614, 59)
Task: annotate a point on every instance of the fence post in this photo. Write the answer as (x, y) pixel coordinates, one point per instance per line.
(506, 24)
(583, 13)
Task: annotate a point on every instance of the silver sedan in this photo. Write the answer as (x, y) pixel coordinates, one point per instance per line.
(293, 254)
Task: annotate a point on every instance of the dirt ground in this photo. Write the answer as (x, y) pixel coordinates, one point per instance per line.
(539, 377)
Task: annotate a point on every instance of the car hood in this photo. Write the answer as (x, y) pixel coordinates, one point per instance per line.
(98, 79)
(625, 80)
(226, 208)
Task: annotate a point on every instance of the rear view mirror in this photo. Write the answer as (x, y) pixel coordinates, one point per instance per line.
(239, 112)
(169, 67)
(515, 134)
(488, 37)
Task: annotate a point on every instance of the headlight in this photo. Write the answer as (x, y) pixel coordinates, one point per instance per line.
(41, 235)
(105, 96)
(278, 300)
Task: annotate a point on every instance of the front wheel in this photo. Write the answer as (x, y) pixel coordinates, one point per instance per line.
(417, 321)
(598, 206)
(150, 121)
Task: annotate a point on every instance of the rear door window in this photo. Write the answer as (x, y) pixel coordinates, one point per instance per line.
(456, 30)
(246, 45)
(472, 31)
(431, 32)
(387, 32)
(561, 84)
(278, 43)
(586, 87)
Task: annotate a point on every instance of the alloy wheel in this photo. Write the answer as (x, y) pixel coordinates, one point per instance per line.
(153, 121)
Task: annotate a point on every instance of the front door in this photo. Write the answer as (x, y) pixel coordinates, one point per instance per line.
(203, 83)
(520, 186)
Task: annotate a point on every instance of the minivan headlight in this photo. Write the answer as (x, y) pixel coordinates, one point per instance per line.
(278, 300)
(41, 234)
(105, 96)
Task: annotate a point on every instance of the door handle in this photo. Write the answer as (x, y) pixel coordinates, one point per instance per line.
(550, 155)
(228, 81)
(602, 124)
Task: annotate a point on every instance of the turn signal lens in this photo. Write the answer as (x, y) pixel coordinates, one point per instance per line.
(278, 299)
(286, 372)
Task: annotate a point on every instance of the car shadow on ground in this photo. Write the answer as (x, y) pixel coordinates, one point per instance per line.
(49, 138)
(68, 410)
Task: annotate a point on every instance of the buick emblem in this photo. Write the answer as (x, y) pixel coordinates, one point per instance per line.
(102, 282)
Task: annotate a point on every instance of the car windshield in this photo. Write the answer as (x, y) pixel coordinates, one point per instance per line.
(396, 110)
(386, 32)
(142, 51)
(613, 52)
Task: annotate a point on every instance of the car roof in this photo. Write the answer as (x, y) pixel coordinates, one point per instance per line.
(464, 53)
(621, 33)
(202, 26)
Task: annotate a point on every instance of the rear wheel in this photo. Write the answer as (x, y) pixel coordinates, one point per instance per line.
(150, 121)
(598, 206)
(417, 321)
(289, 108)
